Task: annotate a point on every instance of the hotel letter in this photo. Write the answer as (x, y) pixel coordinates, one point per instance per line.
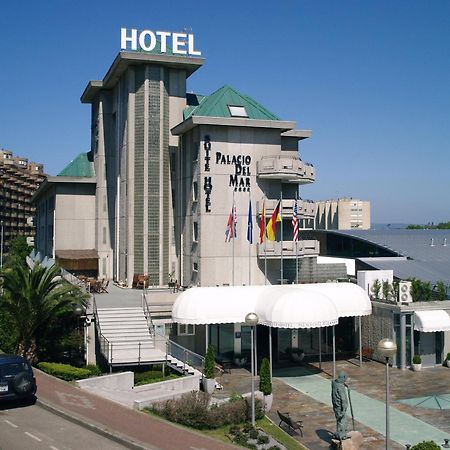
(124, 39)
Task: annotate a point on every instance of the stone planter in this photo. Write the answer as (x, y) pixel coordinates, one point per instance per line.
(417, 367)
(209, 384)
(268, 400)
(447, 362)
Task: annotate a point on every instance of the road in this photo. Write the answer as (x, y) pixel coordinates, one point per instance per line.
(32, 427)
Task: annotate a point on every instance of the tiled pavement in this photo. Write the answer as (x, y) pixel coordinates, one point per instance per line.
(368, 396)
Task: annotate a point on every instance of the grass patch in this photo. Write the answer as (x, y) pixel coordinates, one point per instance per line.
(151, 377)
(265, 424)
(277, 433)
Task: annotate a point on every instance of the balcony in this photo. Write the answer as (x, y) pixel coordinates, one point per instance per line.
(272, 249)
(287, 169)
(306, 208)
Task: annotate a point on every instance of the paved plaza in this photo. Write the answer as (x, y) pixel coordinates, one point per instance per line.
(305, 392)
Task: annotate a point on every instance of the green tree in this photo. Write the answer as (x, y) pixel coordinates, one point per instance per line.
(376, 288)
(416, 290)
(33, 301)
(210, 362)
(441, 290)
(265, 382)
(386, 289)
(18, 251)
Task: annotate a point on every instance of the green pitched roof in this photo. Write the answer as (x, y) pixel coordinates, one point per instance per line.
(216, 105)
(81, 166)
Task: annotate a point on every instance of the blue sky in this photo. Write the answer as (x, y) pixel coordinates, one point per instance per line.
(369, 78)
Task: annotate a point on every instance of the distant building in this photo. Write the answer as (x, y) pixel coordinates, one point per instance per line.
(343, 214)
(19, 179)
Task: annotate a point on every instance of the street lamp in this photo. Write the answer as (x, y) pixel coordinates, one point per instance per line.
(251, 319)
(1, 246)
(387, 348)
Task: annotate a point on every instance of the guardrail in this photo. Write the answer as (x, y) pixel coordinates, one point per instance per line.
(105, 345)
(148, 316)
(187, 357)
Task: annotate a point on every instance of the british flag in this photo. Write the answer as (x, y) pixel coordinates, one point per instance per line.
(295, 222)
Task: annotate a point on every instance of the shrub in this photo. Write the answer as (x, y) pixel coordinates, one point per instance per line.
(65, 371)
(253, 433)
(417, 359)
(426, 445)
(448, 357)
(265, 382)
(192, 410)
(95, 370)
(263, 439)
(210, 362)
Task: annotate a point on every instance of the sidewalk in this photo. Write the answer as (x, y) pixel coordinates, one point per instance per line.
(131, 428)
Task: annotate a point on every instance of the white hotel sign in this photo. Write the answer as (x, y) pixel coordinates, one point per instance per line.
(182, 43)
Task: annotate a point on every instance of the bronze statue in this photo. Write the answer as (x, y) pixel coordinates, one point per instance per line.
(339, 400)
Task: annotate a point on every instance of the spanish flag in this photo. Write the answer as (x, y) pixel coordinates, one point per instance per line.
(262, 225)
(272, 225)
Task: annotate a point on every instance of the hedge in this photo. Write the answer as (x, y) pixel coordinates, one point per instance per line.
(67, 372)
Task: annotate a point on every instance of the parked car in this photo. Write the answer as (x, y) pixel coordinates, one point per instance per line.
(16, 378)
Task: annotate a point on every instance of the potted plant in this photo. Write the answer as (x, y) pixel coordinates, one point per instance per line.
(417, 363)
(209, 382)
(447, 360)
(265, 384)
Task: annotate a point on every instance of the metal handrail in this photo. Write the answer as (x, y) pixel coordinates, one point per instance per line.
(105, 345)
(186, 356)
(147, 314)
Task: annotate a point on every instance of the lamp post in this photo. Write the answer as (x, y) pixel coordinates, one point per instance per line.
(387, 348)
(1, 246)
(251, 319)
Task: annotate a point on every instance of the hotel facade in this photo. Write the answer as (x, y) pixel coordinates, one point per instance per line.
(166, 169)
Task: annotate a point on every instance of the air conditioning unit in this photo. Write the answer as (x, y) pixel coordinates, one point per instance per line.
(404, 292)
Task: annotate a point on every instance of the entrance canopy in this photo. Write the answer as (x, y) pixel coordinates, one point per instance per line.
(431, 321)
(280, 306)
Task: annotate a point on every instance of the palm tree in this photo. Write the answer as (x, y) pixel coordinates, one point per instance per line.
(33, 300)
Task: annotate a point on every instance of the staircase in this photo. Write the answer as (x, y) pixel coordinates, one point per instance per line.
(126, 338)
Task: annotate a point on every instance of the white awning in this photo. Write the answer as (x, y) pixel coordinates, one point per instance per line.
(431, 320)
(291, 307)
(207, 305)
(280, 306)
(349, 299)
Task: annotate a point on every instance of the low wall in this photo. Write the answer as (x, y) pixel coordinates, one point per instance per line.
(123, 381)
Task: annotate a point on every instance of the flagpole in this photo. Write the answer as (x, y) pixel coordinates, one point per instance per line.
(249, 235)
(234, 237)
(296, 241)
(281, 215)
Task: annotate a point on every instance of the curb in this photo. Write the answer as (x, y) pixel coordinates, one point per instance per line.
(115, 437)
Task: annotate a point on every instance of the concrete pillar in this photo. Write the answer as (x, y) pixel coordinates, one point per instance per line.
(237, 341)
(402, 341)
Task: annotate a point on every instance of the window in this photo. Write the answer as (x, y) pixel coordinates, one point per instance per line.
(237, 111)
(195, 232)
(186, 329)
(194, 191)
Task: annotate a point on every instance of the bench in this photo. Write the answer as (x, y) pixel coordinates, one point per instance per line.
(296, 425)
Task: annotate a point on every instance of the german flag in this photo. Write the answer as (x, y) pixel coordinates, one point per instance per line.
(271, 228)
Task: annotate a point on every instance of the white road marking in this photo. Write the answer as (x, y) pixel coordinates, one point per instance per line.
(53, 448)
(33, 436)
(11, 424)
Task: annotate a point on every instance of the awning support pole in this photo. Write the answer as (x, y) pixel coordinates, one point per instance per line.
(334, 354)
(360, 342)
(270, 351)
(320, 348)
(206, 338)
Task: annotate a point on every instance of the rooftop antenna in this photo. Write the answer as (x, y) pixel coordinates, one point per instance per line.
(187, 30)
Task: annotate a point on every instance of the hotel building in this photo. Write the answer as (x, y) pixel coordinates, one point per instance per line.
(154, 194)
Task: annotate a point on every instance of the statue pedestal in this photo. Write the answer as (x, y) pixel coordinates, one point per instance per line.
(354, 441)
